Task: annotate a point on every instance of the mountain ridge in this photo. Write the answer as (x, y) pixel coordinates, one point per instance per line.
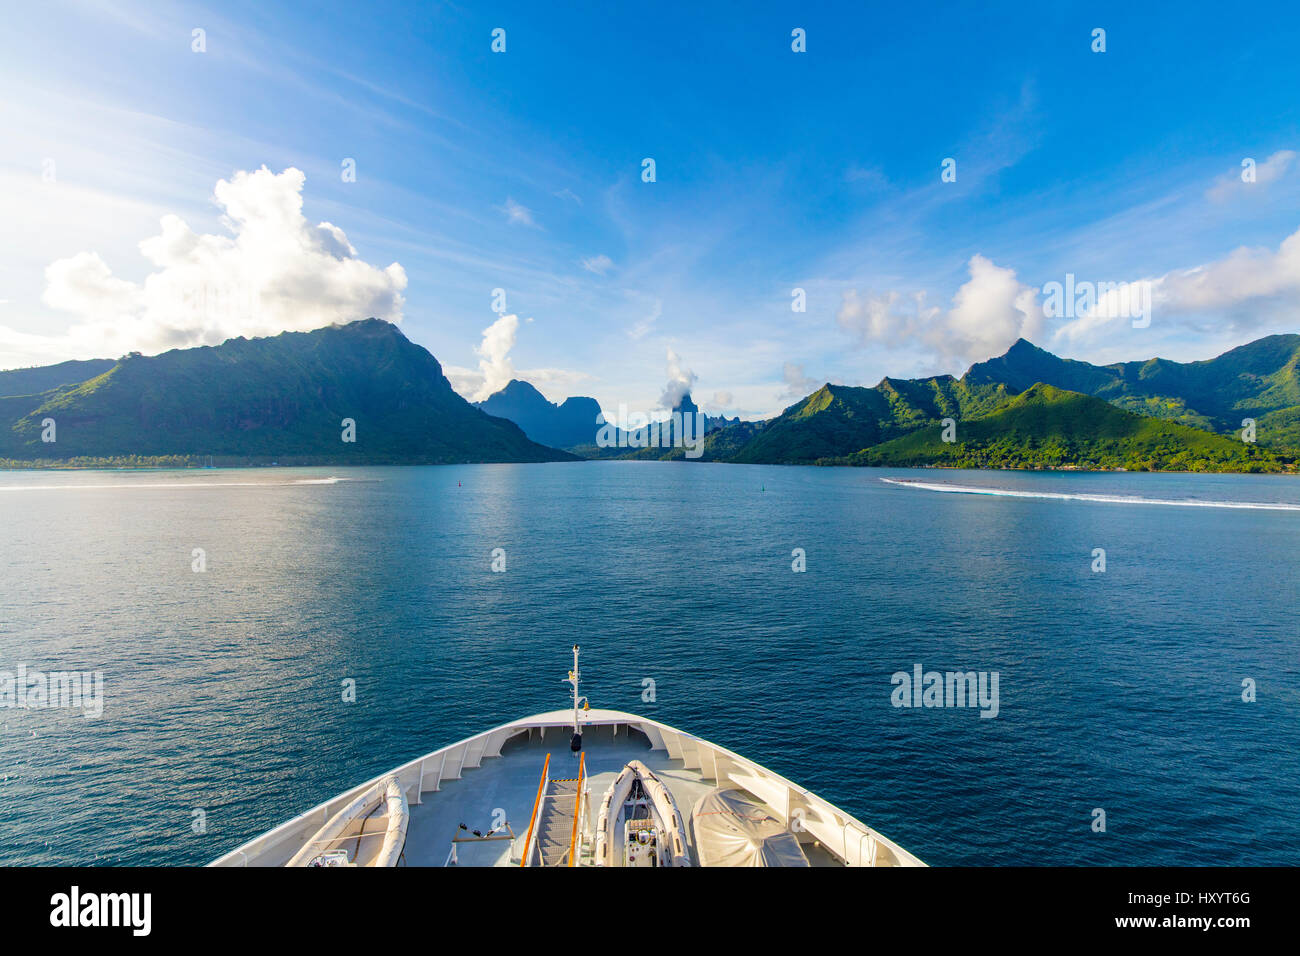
(1258, 380)
(282, 398)
(1047, 427)
(567, 424)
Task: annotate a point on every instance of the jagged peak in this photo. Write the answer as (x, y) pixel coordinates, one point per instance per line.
(371, 324)
(1023, 345)
(685, 404)
(520, 386)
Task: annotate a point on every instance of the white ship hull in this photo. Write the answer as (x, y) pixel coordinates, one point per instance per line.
(494, 783)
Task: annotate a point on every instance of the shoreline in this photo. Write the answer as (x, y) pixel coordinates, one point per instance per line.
(15, 466)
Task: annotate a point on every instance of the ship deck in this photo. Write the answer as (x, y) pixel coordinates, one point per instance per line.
(507, 787)
(492, 779)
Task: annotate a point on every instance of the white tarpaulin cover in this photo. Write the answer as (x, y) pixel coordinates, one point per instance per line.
(734, 829)
(340, 827)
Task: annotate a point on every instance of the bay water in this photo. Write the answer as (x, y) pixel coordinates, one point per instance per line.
(224, 708)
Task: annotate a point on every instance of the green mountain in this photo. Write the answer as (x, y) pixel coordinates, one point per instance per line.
(1047, 427)
(837, 420)
(29, 381)
(1259, 380)
(282, 398)
(285, 398)
(849, 424)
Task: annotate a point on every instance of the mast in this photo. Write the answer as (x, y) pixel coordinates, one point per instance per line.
(576, 743)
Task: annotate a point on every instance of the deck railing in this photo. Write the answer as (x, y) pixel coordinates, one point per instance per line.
(577, 807)
(532, 822)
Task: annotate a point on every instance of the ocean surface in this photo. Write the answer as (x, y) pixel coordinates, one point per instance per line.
(1119, 690)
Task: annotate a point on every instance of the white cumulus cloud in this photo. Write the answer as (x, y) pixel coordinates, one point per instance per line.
(680, 381)
(1247, 291)
(276, 271)
(494, 365)
(989, 312)
(496, 369)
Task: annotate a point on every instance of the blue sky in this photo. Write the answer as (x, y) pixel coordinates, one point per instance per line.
(775, 170)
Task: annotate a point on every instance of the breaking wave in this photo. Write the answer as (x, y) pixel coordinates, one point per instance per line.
(179, 484)
(1102, 499)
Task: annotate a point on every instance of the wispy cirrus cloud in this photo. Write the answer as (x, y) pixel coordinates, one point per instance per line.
(518, 214)
(797, 384)
(600, 264)
(644, 325)
(1253, 179)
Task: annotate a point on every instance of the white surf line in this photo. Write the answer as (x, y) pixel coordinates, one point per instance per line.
(180, 483)
(1103, 499)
